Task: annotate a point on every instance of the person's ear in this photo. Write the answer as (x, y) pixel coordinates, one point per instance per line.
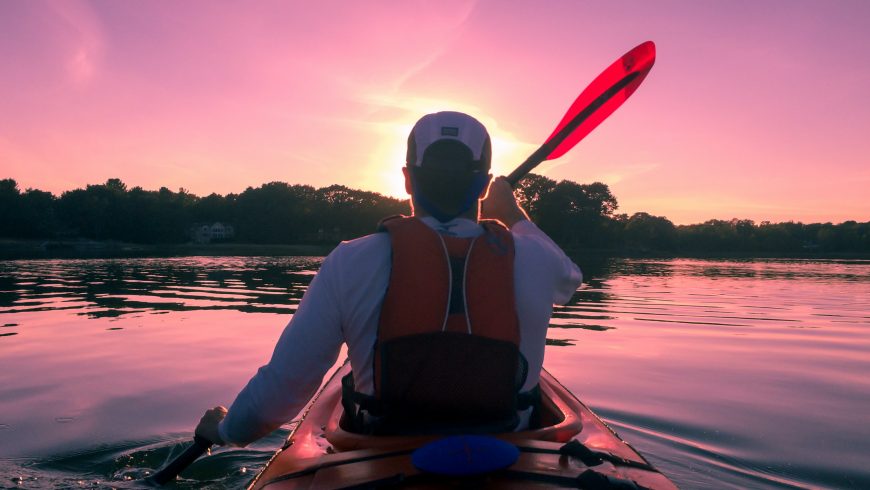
(408, 186)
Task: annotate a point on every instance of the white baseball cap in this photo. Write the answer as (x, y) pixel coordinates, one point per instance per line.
(449, 126)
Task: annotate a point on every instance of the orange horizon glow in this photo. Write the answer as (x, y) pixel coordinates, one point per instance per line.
(753, 111)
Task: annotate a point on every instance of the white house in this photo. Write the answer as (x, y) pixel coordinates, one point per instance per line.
(205, 233)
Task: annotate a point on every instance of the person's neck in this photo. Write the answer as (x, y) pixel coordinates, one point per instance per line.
(472, 214)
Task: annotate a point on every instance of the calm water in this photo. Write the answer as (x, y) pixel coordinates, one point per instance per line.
(747, 374)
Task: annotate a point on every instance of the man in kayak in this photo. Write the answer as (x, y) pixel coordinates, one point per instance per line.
(444, 316)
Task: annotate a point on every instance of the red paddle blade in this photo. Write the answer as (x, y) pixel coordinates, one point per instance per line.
(622, 78)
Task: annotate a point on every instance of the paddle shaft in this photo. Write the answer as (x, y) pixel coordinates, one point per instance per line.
(544, 151)
(169, 472)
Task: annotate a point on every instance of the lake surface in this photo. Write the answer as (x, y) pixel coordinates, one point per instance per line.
(725, 374)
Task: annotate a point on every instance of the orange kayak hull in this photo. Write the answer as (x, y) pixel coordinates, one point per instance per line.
(320, 454)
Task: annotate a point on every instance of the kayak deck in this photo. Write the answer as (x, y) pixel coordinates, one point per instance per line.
(320, 454)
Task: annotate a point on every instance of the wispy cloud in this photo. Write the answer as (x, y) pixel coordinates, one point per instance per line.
(87, 48)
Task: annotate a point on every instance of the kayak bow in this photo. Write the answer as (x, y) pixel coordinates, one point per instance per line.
(572, 448)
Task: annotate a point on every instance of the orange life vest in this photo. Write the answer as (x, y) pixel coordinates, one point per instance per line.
(447, 355)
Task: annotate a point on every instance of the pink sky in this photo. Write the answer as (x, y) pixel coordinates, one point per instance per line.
(755, 109)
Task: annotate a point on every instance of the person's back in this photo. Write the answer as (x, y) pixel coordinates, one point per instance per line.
(440, 314)
(446, 356)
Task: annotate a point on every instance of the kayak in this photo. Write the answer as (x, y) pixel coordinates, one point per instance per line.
(572, 448)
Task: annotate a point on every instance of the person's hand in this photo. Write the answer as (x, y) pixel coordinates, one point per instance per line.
(501, 204)
(208, 425)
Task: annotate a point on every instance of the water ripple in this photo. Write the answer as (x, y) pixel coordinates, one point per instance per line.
(115, 288)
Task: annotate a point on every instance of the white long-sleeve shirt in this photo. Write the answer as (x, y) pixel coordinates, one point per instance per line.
(343, 304)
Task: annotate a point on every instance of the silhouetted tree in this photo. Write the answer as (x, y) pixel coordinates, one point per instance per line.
(10, 207)
(529, 191)
(646, 231)
(575, 214)
(351, 213)
(36, 214)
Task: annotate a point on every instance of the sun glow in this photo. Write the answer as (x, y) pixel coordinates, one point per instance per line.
(508, 152)
(384, 169)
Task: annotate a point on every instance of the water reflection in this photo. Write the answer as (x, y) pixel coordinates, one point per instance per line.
(789, 269)
(680, 291)
(114, 288)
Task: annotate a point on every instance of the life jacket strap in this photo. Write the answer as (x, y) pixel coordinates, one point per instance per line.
(355, 403)
(529, 399)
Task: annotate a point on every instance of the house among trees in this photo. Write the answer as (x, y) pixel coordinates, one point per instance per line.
(217, 231)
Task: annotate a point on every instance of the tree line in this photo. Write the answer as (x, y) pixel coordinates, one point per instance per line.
(574, 215)
(272, 213)
(584, 216)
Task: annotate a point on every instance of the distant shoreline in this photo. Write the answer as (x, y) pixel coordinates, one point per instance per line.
(11, 249)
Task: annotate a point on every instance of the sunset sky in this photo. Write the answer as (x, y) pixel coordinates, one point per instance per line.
(755, 109)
